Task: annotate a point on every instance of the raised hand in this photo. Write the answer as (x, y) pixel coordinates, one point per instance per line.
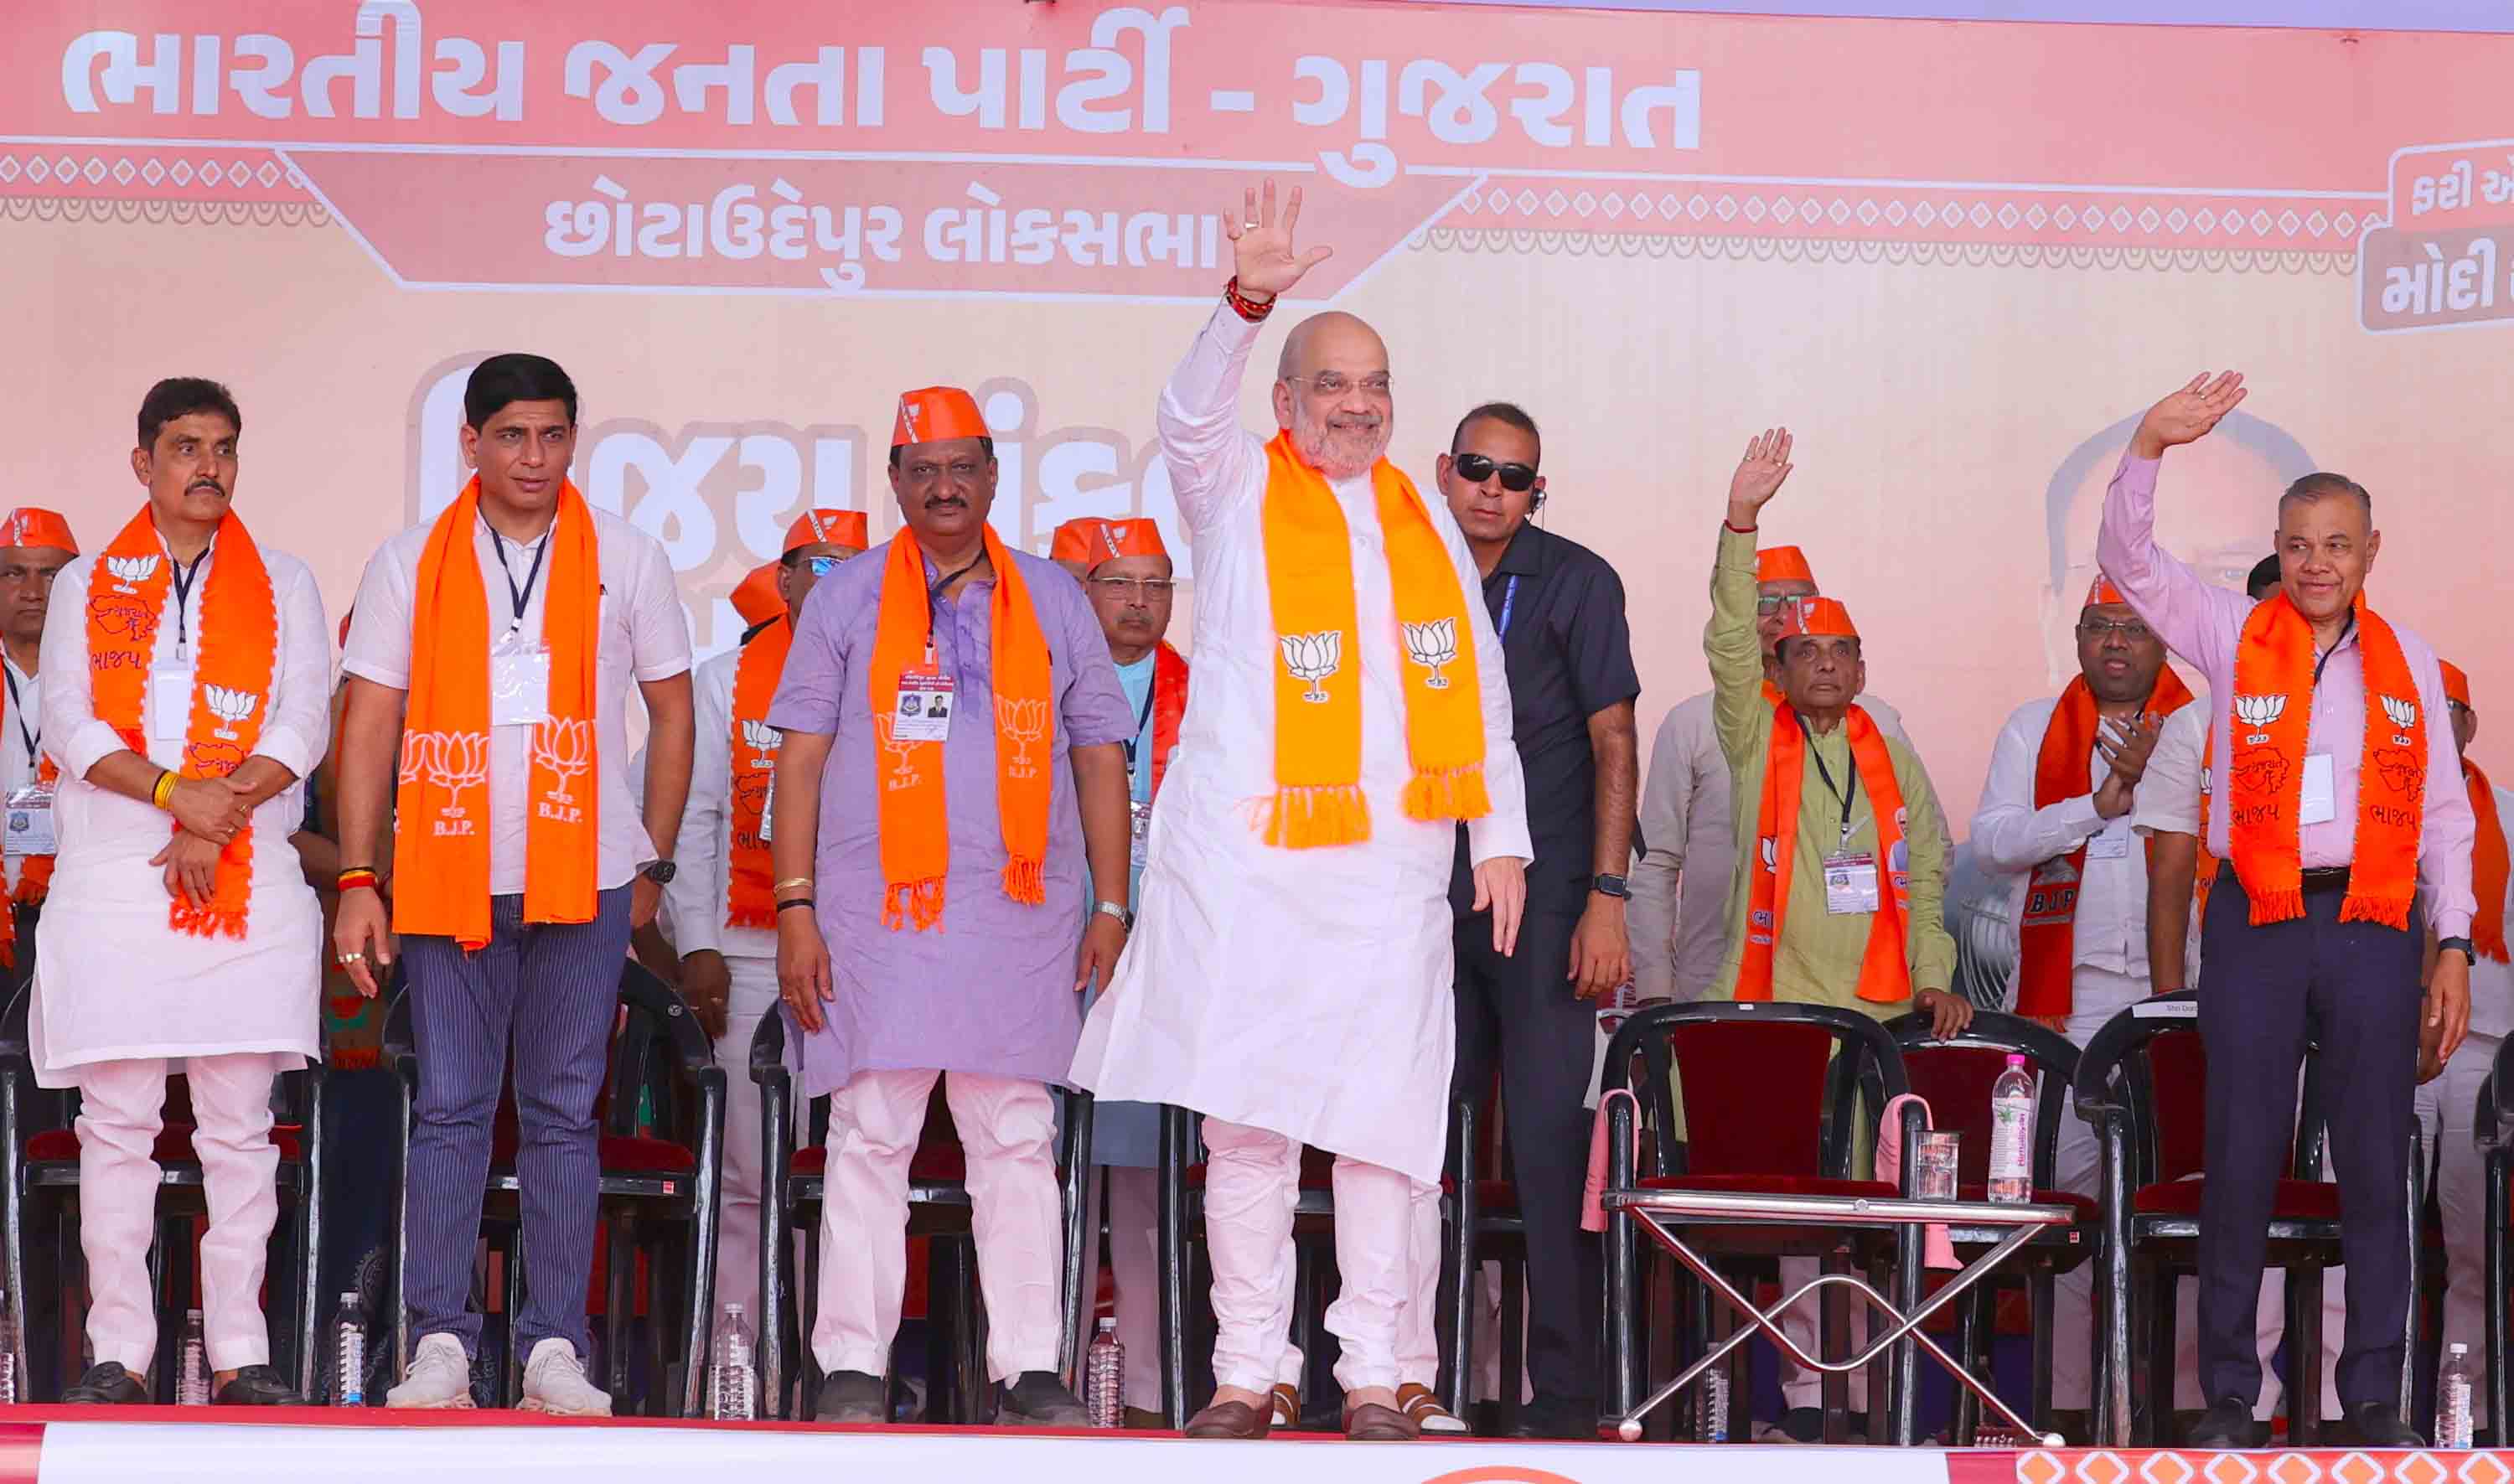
(2187, 415)
(1760, 475)
(2130, 744)
(1265, 257)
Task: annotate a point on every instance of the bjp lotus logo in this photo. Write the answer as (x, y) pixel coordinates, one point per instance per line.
(762, 739)
(2404, 714)
(1313, 658)
(901, 750)
(451, 761)
(128, 570)
(1771, 852)
(230, 706)
(1024, 722)
(1433, 644)
(2257, 712)
(564, 749)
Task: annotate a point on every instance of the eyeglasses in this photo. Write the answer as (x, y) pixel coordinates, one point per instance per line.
(2104, 628)
(1476, 468)
(1335, 383)
(1772, 605)
(823, 565)
(1149, 589)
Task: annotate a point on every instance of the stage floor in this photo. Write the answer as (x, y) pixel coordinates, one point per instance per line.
(73, 1445)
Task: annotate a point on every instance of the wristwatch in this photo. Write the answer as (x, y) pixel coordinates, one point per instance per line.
(1126, 919)
(2462, 944)
(1612, 886)
(659, 872)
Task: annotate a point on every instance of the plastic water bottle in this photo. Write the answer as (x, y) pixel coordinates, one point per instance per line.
(2012, 1133)
(1711, 1425)
(733, 1382)
(8, 1351)
(2453, 1400)
(192, 1375)
(349, 1354)
(1104, 1377)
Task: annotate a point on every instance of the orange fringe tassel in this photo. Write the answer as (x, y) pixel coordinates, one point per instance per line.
(1026, 880)
(1450, 793)
(1309, 817)
(919, 902)
(2277, 907)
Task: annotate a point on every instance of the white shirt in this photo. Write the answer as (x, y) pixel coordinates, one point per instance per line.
(1679, 907)
(644, 638)
(2168, 799)
(2012, 839)
(696, 894)
(22, 739)
(2492, 983)
(1301, 991)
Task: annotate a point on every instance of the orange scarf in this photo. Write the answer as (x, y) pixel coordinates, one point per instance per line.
(1170, 707)
(2488, 866)
(231, 678)
(441, 850)
(915, 833)
(2273, 714)
(2048, 932)
(1317, 797)
(1884, 970)
(747, 869)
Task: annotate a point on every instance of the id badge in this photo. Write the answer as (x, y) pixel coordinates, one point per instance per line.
(925, 707)
(170, 702)
(1139, 844)
(2318, 806)
(29, 820)
(519, 671)
(768, 809)
(2112, 843)
(1850, 883)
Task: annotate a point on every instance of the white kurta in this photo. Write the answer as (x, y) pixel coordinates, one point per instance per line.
(113, 981)
(1305, 992)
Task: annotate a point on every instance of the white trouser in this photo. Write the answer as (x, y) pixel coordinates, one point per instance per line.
(121, 1108)
(753, 997)
(1134, 1263)
(2445, 1112)
(1007, 1127)
(1252, 1181)
(1418, 1343)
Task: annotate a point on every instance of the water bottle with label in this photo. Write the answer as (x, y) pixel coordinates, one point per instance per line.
(2453, 1400)
(8, 1351)
(733, 1382)
(349, 1354)
(2012, 1133)
(1711, 1423)
(193, 1364)
(1104, 1377)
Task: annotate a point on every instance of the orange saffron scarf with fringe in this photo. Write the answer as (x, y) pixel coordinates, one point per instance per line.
(1885, 966)
(747, 869)
(915, 833)
(231, 678)
(1317, 797)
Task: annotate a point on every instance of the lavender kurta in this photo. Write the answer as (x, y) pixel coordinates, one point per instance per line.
(989, 989)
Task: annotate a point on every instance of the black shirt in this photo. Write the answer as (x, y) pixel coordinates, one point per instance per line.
(1560, 610)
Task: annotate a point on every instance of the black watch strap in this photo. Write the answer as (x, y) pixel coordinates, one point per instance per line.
(659, 872)
(1610, 885)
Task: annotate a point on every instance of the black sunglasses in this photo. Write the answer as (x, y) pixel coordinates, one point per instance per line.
(1476, 468)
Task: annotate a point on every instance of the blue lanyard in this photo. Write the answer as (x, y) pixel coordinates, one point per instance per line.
(1509, 597)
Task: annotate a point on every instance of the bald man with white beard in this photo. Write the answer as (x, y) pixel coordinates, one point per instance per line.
(1291, 976)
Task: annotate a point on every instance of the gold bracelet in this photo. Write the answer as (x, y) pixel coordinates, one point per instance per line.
(792, 881)
(165, 789)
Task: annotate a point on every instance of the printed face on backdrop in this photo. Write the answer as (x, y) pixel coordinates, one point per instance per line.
(2326, 546)
(26, 575)
(945, 489)
(522, 452)
(191, 470)
(1332, 391)
(1484, 509)
(1133, 597)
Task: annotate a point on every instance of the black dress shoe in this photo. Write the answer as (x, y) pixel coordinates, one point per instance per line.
(1040, 1399)
(1547, 1415)
(2227, 1424)
(105, 1384)
(256, 1387)
(2375, 1425)
(852, 1396)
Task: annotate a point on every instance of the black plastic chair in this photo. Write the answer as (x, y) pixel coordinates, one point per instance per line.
(1483, 1222)
(1955, 1076)
(2493, 1129)
(2141, 1082)
(1774, 1097)
(659, 1189)
(937, 1209)
(39, 1146)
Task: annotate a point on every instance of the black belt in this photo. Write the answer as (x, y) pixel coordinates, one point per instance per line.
(2326, 878)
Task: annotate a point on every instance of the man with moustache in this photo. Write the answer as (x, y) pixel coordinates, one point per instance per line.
(35, 544)
(1291, 978)
(720, 902)
(185, 697)
(2336, 813)
(488, 664)
(949, 855)
(2053, 831)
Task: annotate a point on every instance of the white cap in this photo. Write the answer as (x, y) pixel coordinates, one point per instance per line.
(1107, 1324)
(2461, 1350)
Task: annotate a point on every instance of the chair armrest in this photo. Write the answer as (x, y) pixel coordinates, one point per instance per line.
(641, 990)
(401, 1040)
(2492, 1123)
(768, 1053)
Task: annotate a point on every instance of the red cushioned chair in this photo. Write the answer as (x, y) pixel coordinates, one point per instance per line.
(937, 1209)
(1771, 1096)
(1955, 1078)
(2143, 1083)
(661, 1120)
(40, 1147)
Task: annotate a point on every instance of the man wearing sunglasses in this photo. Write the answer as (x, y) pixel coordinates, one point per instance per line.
(719, 904)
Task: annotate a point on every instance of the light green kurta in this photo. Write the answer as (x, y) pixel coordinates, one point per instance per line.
(1818, 959)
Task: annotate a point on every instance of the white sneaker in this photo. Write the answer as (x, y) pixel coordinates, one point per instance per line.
(555, 1382)
(439, 1379)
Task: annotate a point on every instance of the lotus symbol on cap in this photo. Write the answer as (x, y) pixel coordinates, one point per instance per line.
(1433, 644)
(1313, 658)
